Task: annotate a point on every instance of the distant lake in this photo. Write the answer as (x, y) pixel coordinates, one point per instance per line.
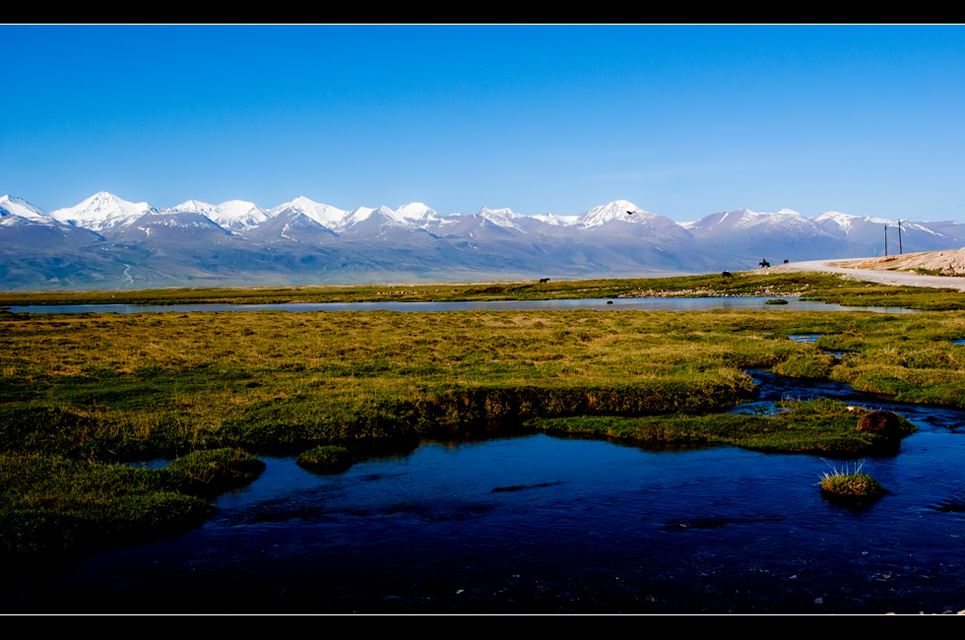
(602, 304)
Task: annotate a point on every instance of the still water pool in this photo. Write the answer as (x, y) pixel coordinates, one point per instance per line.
(602, 304)
(588, 527)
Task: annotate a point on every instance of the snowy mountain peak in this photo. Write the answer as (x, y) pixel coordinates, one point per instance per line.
(238, 214)
(381, 216)
(506, 211)
(233, 214)
(785, 217)
(102, 211)
(382, 212)
(835, 218)
(191, 205)
(355, 216)
(505, 218)
(845, 221)
(557, 221)
(302, 203)
(616, 210)
(416, 212)
(20, 207)
(14, 210)
(326, 215)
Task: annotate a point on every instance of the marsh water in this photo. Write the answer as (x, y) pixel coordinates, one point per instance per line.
(539, 524)
(604, 304)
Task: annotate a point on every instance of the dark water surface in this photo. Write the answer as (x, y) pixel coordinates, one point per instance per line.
(596, 527)
(647, 304)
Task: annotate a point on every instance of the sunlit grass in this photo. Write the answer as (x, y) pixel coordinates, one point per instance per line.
(170, 382)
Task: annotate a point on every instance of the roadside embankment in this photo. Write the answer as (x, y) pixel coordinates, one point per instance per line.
(936, 269)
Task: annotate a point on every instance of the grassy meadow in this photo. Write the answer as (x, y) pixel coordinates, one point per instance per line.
(81, 393)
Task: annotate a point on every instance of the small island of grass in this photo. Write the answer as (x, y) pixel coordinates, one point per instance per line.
(855, 489)
(823, 427)
(208, 473)
(326, 459)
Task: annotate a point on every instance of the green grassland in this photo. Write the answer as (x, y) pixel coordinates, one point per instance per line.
(80, 393)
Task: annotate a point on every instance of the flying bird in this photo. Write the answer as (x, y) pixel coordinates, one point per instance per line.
(630, 213)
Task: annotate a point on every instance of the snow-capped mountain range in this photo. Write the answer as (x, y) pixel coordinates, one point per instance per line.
(108, 242)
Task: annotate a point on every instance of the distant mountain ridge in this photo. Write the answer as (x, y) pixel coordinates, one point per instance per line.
(108, 242)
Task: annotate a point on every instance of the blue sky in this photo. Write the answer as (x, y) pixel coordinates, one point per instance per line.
(684, 121)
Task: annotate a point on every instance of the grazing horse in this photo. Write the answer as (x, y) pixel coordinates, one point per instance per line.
(542, 280)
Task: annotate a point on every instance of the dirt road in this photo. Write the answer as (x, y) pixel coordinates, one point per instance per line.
(874, 275)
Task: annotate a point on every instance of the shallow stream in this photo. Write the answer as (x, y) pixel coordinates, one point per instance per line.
(596, 528)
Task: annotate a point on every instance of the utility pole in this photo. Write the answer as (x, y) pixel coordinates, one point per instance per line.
(899, 236)
(886, 240)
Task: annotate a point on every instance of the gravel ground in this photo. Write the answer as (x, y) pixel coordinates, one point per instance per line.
(887, 270)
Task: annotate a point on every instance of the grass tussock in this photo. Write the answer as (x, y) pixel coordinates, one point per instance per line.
(851, 486)
(326, 459)
(208, 473)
